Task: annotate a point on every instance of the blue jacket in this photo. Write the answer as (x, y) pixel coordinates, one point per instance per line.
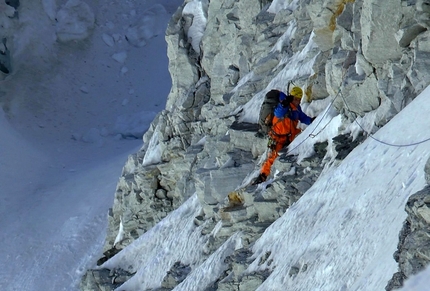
(293, 114)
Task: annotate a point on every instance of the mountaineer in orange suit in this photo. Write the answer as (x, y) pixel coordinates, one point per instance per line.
(287, 115)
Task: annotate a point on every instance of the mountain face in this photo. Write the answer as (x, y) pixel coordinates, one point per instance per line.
(223, 55)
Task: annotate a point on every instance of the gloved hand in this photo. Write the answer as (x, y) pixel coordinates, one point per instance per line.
(285, 102)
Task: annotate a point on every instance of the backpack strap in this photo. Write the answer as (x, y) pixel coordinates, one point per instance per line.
(271, 131)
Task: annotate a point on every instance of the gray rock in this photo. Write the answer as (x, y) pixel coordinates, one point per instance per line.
(379, 21)
(427, 171)
(104, 279)
(5, 59)
(413, 251)
(176, 275)
(418, 73)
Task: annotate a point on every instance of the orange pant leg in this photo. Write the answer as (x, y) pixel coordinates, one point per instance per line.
(271, 157)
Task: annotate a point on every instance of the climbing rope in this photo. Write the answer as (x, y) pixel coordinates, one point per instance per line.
(381, 141)
(312, 135)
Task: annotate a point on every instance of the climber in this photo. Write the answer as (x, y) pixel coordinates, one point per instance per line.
(284, 129)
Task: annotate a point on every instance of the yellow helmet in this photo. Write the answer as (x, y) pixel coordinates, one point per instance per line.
(297, 92)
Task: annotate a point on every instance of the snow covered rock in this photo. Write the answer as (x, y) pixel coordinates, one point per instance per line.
(133, 125)
(413, 253)
(75, 20)
(147, 27)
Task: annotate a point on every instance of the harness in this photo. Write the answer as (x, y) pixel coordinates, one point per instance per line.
(288, 115)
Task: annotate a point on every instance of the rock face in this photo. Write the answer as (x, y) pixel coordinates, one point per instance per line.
(365, 56)
(413, 252)
(8, 8)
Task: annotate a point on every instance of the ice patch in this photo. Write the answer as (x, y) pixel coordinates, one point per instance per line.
(108, 39)
(120, 57)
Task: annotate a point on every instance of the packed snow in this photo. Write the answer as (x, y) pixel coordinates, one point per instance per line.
(72, 113)
(78, 100)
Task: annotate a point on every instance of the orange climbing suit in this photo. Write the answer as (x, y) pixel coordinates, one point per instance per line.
(283, 132)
